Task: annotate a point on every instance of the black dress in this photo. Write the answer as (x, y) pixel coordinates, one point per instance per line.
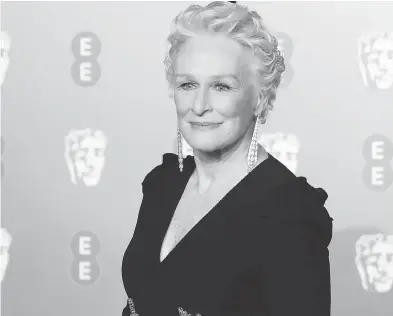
(262, 250)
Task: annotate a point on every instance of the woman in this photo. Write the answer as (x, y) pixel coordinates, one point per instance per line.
(229, 230)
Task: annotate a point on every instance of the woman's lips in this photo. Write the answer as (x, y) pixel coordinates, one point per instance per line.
(205, 125)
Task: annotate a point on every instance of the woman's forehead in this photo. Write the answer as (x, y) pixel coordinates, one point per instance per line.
(213, 56)
(213, 45)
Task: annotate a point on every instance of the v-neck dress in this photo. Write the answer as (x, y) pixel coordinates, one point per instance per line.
(261, 250)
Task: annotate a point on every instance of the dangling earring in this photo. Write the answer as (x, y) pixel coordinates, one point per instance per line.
(253, 151)
(179, 149)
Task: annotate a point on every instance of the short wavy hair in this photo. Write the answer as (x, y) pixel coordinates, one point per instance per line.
(236, 22)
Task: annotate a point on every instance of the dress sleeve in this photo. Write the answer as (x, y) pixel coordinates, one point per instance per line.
(294, 273)
(151, 186)
(126, 311)
(129, 310)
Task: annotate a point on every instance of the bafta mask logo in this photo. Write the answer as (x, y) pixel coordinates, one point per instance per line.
(5, 244)
(85, 155)
(374, 262)
(283, 147)
(5, 42)
(285, 46)
(375, 57)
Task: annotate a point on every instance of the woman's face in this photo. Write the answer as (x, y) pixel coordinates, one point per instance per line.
(213, 84)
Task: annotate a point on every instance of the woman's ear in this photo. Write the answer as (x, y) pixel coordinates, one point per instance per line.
(171, 92)
(260, 107)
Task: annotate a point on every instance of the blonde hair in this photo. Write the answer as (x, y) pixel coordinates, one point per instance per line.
(238, 23)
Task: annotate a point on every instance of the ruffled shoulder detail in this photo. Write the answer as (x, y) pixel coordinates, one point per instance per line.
(298, 200)
(298, 204)
(170, 160)
(168, 169)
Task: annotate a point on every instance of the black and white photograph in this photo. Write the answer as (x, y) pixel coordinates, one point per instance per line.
(196, 158)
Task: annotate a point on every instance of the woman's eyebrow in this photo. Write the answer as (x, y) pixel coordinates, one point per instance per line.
(235, 77)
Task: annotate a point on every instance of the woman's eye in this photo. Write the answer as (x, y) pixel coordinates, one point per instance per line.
(186, 86)
(219, 86)
(222, 87)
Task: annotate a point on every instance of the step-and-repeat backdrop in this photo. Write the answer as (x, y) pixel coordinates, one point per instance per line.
(86, 114)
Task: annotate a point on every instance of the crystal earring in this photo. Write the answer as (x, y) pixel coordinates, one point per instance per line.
(253, 151)
(179, 149)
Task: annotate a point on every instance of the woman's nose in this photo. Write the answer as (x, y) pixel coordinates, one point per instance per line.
(201, 101)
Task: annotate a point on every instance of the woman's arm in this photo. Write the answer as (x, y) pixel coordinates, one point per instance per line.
(295, 272)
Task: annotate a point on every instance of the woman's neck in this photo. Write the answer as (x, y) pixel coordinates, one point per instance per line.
(216, 168)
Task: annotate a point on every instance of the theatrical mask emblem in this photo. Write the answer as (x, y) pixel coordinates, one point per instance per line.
(283, 147)
(85, 155)
(5, 42)
(375, 58)
(374, 262)
(5, 244)
(285, 46)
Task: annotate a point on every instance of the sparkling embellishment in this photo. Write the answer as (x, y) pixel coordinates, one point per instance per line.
(132, 307)
(182, 312)
(253, 151)
(179, 149)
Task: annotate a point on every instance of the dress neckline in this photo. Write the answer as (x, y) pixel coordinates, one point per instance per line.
(189, 167)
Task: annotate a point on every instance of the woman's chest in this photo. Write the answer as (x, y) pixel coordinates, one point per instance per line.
(203, 267)
(214, 267)
(211, 253)
(189, 212)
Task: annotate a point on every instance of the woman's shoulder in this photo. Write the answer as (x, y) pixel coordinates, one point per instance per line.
(168, 163)
(168, 170)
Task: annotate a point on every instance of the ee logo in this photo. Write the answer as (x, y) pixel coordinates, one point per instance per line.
(86, 47)
(378, 153)
(85, 247)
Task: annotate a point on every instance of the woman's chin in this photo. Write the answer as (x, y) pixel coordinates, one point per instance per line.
(206, 150)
